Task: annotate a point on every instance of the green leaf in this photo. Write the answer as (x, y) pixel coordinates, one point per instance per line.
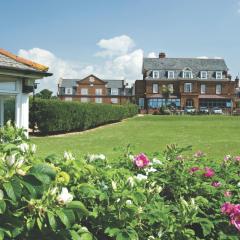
(66, 216)
(52, 221)
(77, 205)
(86, 236)
(206, 225)
(2, 206)
(1, 235)
(30, 223)
(39, 223)
(43, 168)
(10, 191)
(75, 235)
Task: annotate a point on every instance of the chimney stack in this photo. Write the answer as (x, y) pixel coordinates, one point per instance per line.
(162, 55)
(237, 81)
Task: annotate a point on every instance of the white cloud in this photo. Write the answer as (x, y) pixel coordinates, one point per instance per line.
(126, 63)
(115, 46)
(203, 57)
(152, 55)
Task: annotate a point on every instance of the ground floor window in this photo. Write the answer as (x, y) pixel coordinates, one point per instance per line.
(141, 103)
(84, 99)
(210, 103)
(98, 100)
(7, 109)
(189, 103)
(114, 100)
(162, 102)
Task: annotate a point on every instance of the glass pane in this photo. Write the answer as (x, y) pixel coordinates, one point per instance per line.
(9, 109)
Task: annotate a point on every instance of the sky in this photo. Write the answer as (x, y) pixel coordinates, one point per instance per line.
(110, 37)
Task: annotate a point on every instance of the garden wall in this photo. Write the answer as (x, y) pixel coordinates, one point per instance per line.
(52, 116)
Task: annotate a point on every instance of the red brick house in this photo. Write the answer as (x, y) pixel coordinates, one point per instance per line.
(189, 82)
(94, 89)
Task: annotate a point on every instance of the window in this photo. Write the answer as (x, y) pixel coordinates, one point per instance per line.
(218, 89)
(204, 75)
(141, 103)
(155, 74)
(68, 91)
(171, 74)
(159, 102)
(187, 74)
(98, 91)
(170, 88)
(187, 87)
(218, 75)
(114, 100)
(114, 91)
(98, 100)
(84, 91)
(68, 99)
(203, 88)
(189, 103)
(155, 88)
(84, 99)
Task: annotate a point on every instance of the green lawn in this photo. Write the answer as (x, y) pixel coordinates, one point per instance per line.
(215, 135)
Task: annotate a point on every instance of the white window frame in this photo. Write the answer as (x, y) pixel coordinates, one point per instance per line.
(157, 73)
(114, 100)
(202, 74)
(185, 72)
(98, 91)
(186, 89)
(84, 91)
(84, 99)
(155, 88)
(169, 74)
(218, 88)
(98, 100)
(219, 77)
(203, 88)
(68, 91)
(114, 91)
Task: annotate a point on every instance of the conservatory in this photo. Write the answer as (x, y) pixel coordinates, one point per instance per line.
(17, 81)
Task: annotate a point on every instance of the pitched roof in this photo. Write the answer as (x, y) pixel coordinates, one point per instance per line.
(196, 64)
(9, 60)
(68, 83)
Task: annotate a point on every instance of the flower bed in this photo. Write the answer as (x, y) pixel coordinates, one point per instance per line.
(168, 195)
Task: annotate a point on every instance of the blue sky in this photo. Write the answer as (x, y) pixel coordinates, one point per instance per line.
(68, 32)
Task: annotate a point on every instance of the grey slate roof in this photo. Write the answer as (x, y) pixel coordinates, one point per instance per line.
(11, 63)
(68, 83)
(196, 64)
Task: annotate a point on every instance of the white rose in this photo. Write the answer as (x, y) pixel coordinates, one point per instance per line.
(68, 156)
(156, 161)
(101, 156)
(20, 162)
(129, 202)
(149, 170)
(114, 185)
(33, 148)
(64, 197)
(1, 194)
(10, 160)
(238, 184)
(24, 147)
(141, 177)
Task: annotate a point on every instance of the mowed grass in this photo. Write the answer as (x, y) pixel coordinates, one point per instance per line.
(215, 135)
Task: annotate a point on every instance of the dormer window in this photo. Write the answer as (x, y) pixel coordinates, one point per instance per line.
(171, 74)
(187, 74)
(204, 74)
(218, 75)
(155, 74)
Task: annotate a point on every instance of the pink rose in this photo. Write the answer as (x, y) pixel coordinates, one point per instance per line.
(194, 169)
(199, 154)
(237, 158)
(227, 208)
(227, 194)
(216, 184)
(141, 160)
(209, 172)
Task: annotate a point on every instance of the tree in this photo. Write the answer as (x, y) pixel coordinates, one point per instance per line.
(166, 92)
(45, 94)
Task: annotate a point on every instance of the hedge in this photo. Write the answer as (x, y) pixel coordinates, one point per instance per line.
(52, 116)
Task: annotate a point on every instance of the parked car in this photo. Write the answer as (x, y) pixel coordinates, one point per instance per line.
(203, 110)
(217, 110)
(190, 110)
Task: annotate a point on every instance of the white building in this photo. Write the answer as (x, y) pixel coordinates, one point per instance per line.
(17, 77)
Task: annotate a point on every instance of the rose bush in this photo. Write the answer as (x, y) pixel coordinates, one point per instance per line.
(169, 195)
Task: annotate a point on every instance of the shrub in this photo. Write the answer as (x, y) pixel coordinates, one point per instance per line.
(59, 116)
